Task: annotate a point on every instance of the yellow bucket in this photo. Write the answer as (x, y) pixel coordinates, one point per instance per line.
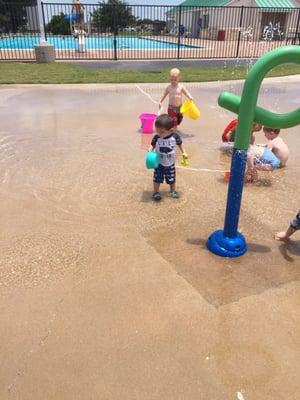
(190, 109)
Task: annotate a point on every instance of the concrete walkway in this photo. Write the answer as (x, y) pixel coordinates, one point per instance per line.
(159, 64)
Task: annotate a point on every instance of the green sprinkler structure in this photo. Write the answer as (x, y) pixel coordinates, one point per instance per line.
(229, 242)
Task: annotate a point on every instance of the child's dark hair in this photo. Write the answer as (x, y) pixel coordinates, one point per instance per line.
(275, 130)
(164, 121)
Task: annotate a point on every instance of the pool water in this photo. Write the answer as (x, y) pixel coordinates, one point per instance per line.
(94, 42)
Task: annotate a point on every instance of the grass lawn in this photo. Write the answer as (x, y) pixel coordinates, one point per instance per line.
(14, 72)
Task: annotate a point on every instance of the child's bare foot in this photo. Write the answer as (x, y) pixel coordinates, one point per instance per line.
(249, 178)
(281, 236)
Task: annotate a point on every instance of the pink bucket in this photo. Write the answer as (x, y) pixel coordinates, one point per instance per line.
(147, 121)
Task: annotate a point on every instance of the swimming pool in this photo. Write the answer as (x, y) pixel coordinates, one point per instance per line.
(92, 42)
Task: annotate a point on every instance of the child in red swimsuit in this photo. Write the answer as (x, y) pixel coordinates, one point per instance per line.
(175, 91)
(228, 134)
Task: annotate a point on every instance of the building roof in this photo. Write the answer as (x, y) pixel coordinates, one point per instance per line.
(274, 3)
(257, 3)
(205, 3)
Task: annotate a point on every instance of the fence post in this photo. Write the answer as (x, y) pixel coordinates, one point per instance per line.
(44, 52)
(178, 35)
(41, 23)
(297, 34)
(240, 27)
(44, 23)
(115, 35)
(115, 47)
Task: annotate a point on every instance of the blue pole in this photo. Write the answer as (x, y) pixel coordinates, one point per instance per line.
(235, 191)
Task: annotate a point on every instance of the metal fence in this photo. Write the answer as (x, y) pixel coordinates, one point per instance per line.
(124, 32)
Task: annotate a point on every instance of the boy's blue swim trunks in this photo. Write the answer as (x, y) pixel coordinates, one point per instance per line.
(269, 157)
(167, 173)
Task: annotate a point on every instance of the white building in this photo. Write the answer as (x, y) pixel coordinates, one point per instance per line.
(224, 19)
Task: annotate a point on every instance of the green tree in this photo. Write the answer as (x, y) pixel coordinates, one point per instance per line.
(13, 15)
(155, 26)
(58, 25)
(113, 15)
(145, 21)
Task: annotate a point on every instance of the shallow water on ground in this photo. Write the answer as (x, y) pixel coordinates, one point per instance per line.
(112, 295)
(72, 166)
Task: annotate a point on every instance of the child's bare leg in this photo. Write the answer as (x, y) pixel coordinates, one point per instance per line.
(175, 128)
(285, 235)
(173, 187)
(251, 175)
(156, 187)
(251, 172)
(264, 167)
(156, 195)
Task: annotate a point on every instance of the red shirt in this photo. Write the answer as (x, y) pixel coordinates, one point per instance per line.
(232, 125)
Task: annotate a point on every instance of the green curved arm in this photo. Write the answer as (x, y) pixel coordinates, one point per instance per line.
(232, 103)
(245, 105)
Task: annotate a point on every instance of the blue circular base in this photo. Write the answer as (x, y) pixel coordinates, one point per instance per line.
(224, 246)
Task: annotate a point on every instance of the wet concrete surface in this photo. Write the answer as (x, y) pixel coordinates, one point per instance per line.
(105, 294)
(158, 64)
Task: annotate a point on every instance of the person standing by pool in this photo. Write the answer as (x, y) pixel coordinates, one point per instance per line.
(175, 91)
(78, 9)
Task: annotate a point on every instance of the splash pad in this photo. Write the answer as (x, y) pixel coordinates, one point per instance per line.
(229, 242)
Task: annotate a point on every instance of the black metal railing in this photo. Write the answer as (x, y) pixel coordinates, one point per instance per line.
(123, 32)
